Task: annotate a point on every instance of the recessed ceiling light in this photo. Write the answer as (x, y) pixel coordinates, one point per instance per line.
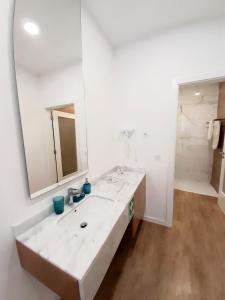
(197, 93)
(31, 28)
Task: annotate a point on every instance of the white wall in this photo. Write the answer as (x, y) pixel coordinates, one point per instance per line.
(37, 132)
(194, 153)
(145, 96)
(101, 114)
(15, 284)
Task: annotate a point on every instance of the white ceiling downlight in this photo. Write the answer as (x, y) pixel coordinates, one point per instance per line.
(31, 28)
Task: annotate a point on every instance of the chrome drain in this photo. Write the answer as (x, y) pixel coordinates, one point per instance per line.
(83, 224)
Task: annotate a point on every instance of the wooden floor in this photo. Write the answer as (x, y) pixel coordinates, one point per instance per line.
(185, 262)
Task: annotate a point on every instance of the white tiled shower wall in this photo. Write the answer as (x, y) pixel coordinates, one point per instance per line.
(194, 152)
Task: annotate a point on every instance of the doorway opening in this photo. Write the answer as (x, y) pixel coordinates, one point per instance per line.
(200, 138)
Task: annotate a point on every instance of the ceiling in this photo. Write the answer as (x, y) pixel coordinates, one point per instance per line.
(59, 42)
(121, 21)
(124, 21)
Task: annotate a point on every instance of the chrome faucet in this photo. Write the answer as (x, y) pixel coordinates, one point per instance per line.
(120, 170)
(71, 193)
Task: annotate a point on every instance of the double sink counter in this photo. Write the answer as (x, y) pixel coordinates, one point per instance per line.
(70, 253)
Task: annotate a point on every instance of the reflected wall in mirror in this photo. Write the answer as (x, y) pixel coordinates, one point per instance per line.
(48, 65)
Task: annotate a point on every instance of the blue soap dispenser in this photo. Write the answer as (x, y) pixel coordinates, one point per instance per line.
(86, 187)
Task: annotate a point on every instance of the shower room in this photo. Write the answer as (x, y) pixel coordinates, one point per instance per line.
(200, 138)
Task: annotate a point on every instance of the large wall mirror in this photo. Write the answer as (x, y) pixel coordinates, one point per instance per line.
(48, 65)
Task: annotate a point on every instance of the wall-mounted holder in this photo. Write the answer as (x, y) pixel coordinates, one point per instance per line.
(128, 132)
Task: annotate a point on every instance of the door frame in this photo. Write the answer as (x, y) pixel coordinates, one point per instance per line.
(176, 83)
(55, 116)
(222, 167)
(221, 194)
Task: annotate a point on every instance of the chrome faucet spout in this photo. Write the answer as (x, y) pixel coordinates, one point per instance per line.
(71, 193)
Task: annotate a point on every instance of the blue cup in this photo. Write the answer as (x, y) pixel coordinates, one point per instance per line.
(58, 203)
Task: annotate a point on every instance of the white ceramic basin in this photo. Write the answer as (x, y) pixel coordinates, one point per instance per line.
(110, 185)
(71, 237)
(92, 212)
(126, 176)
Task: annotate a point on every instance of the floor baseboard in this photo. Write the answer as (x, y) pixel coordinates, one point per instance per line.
(155, 220)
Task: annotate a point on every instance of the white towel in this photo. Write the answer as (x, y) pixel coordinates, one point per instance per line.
(216, 134)
(210, 130)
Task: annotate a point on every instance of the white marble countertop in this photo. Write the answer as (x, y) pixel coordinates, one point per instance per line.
(73, 251)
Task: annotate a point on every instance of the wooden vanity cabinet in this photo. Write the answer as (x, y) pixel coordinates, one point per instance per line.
(65, 285)
(139, 207)
(51, 276)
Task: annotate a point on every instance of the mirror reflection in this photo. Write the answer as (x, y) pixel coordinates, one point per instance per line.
(64, 135)
(50, 90)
